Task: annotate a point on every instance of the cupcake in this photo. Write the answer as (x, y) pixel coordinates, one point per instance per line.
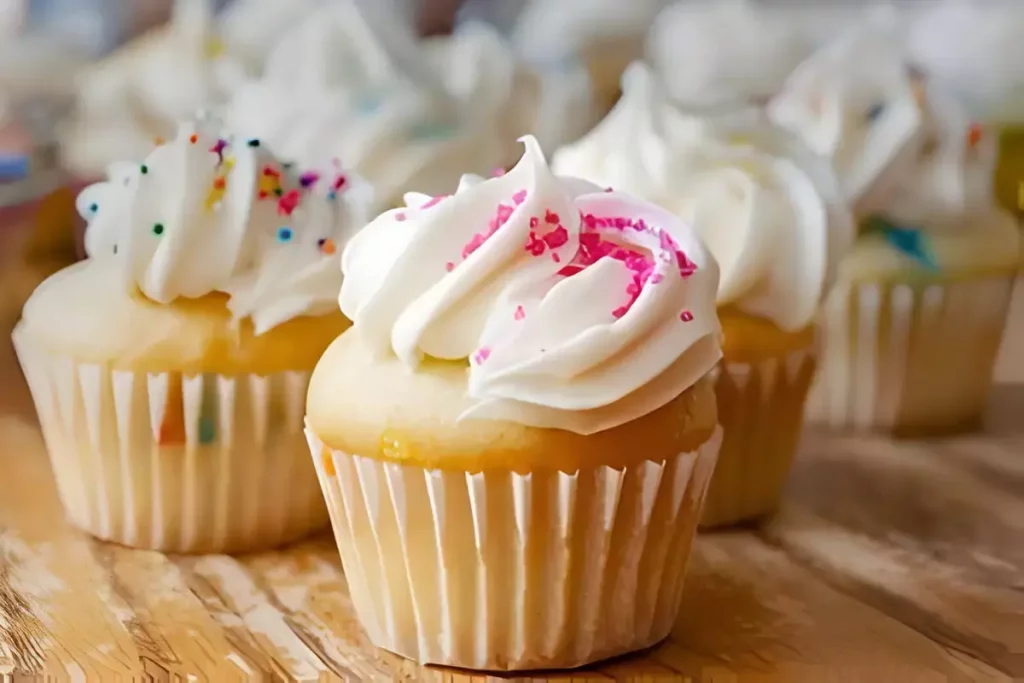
(983, 73)
(771, 215)
(605, 36)
(140, 92)
(169, 369)
(926, 286)
(346, 84)
(515, 437)
(728, 54)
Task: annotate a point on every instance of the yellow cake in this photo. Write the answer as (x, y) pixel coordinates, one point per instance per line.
(515, 442)
(169, 370)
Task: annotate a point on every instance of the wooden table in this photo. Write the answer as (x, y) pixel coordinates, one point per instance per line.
(892, 562)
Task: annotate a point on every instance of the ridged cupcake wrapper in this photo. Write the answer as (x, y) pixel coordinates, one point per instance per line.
(499, 571)
(203, 463)
(909, 358)
(760, 408)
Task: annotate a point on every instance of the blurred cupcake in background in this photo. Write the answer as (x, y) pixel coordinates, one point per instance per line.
(37, 208)
(169, 369)
(138, 94)
(605, 36)
(984, 72)
(771, 214)
(726, 54)
(911, 329)
(350, 85)
(516, 435)
(249, 29)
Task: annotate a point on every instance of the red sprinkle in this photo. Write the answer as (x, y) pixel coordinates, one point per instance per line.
(551, 217)
(449, 266)
(286, 204)
(686, 316)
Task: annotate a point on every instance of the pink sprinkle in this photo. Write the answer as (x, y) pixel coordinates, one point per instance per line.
(519, 197)
(555, 257)
(620, 311)
(286, 204)
(400, 217)
(608, 189)
(557, 237)
(520, 313)
(686, 316)
(434, 201)
(551, 217)
(482, 354)
(535, 246)
(498, 172)
(504, 213)
(534, 221)
(656, 278)
(449, 266)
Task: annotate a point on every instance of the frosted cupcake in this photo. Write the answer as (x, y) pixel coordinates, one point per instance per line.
(348, 85)
(515, 437)
(169, 369)
(927, 285)
(771, 215)
(724, 55)
(139, 94)
(603, 35)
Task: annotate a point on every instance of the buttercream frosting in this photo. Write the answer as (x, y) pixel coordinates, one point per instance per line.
(577, 308)
(205, 214)
(768, 209)
(724, 53)
(983, 70)
(140, 92)
(347, 84)
(857, 103)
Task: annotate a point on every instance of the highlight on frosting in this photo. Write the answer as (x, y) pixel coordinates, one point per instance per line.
(857, 103)
(767, 208)
(204, 213)
(576, 307)
(347, 83)
(727, 52)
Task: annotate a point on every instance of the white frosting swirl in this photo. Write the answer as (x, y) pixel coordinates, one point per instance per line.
(142, 91)
(984, 70)
(857, 103)
(203, 214)
(578, 309)
(344, 84)
(714, 54)
(251, 28)
(477, 65)
(769, 211)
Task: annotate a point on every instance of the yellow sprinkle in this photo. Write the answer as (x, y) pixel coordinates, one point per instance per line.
(214, 48)
(229, 163)
(328, 461)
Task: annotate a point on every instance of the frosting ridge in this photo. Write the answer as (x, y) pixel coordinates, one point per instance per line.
(577, 308)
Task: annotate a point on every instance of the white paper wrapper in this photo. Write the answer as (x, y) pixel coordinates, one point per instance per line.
(232, 472)
(760, 408)
(499, 570)
(909, 357)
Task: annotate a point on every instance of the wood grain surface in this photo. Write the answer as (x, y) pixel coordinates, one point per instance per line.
(892, 561)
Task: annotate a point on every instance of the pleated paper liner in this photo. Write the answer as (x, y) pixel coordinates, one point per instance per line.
(760, 408)
(909, 358)
(500, 571)
(204, 463)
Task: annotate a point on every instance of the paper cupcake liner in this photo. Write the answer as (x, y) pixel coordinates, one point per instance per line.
(909, 358)
(499, 570)
(203, 463)
(760, 408)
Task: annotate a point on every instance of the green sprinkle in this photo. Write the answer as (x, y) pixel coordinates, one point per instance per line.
(158, 229)
(144, 169)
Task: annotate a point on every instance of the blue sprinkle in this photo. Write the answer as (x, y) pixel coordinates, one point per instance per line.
(332, 195)
(875, 111)
(93, 208)
(207, 432)
(13, 166)
(432, 131)
(912, 242)
(284, 234)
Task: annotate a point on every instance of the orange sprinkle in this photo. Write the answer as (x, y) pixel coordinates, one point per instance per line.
(219, 183)
(328, 460)
(973, 135)
(193, 138)
(158, 141)
(328, 247)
